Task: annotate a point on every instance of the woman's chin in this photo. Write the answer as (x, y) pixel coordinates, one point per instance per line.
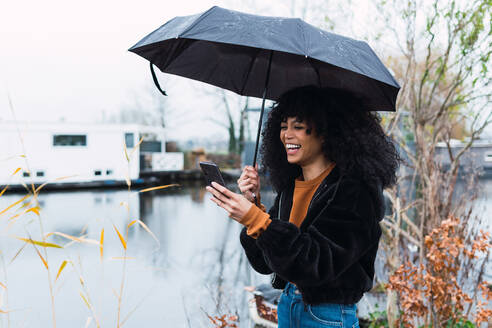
(292, 160)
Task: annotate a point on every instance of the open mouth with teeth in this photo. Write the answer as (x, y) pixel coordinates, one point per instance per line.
(292, 149)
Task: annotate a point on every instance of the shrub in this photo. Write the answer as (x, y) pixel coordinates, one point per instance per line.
(430, 293)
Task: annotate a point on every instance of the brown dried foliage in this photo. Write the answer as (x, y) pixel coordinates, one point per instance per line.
(430, 292)
(265, 311)
(224, 321)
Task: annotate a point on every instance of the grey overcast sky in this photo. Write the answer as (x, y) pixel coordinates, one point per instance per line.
(68, 59)
(65, 59)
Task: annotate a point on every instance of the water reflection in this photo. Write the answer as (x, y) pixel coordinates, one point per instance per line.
(196, 267)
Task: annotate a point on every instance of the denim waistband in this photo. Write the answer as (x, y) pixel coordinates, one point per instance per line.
(292, 291)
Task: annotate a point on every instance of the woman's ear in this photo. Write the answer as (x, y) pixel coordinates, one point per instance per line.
(309, 127)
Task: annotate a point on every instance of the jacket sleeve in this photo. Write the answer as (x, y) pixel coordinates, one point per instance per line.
(253, 252)
(343, 232)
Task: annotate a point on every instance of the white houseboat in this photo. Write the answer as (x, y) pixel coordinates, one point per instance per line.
(94, 154)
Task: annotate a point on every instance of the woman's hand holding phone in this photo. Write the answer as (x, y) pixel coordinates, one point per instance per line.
(249, 183)
(235, 204)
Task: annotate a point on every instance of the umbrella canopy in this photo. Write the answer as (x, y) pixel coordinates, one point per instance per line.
(237, 51)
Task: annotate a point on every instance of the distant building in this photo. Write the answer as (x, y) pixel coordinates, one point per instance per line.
(80, 153)
(479, 155)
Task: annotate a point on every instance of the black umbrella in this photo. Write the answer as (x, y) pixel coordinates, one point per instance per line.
(264, 57)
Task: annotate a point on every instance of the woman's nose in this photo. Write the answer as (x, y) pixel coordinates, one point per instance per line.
(288, 133)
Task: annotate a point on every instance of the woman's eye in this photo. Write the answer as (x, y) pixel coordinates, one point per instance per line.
(283, 127)
(298, 127)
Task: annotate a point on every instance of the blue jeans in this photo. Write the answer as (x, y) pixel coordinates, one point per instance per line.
(293, 313)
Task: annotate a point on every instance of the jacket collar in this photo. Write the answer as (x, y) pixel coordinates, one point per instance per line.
(326, 191)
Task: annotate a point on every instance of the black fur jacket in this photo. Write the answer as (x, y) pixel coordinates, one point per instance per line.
(330, 257)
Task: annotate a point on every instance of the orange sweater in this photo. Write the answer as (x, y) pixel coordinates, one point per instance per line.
(257, 220)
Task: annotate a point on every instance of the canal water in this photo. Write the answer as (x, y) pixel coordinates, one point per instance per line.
(194, 268)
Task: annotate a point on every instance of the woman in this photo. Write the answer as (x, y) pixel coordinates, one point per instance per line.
(328, 160)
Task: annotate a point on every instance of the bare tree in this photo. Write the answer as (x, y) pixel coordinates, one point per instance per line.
(147, 106)
(231, 113)
(442, 65)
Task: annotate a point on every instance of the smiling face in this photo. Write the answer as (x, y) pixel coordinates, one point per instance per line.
(301, 143)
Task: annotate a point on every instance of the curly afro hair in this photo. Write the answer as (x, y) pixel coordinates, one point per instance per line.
(352, 136)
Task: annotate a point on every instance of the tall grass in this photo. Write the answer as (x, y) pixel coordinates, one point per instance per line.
(28, 206)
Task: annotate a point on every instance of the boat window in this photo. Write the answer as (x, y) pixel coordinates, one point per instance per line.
(109, 172)
(97, 172)
(488, 157)
(26, 174)
(69, 140)
(151, 146)
(129, 140)
(40, 173)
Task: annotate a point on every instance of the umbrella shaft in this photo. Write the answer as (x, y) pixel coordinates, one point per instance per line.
(260, 123)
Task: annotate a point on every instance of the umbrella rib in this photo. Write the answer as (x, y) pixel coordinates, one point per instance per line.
(249, 71)
(188, 46)
(316, 70)
(198, 20)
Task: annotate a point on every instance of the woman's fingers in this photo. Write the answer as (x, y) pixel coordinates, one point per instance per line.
(252, 173)
(248, 193)
(222, 204)
(223, 190)
(236, 205)
(247, 185)
(243, 175)
(246, 182)
(242, 184)
(247, 176)
(221, 200)
(220, 196)
(247, 188)
(229, 204)
(250, 170)
(249, 182)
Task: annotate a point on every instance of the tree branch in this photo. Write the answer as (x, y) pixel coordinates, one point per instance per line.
(402, 232)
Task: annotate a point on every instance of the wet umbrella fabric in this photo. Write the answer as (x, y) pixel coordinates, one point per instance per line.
(263, 56)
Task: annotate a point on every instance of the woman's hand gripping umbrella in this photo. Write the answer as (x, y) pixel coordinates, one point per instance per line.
(249, 183)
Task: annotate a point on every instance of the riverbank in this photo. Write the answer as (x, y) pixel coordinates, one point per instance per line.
(147, 179)
(150, 179)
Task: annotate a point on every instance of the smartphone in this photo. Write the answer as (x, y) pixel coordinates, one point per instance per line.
(212, 173)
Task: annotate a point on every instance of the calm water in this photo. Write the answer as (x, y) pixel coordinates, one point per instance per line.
(196, 267)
